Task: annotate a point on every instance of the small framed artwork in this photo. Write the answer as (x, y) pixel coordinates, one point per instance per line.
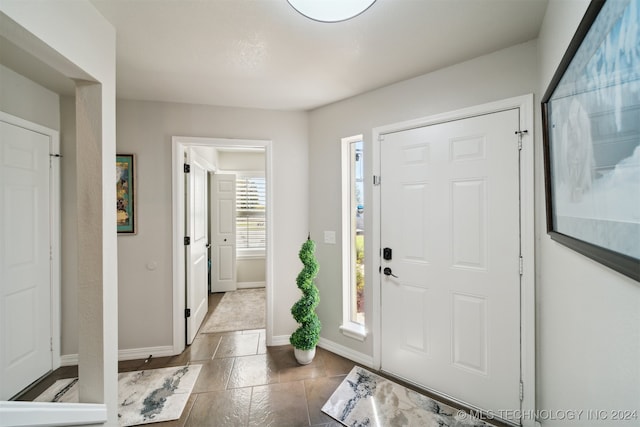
(126, 193)
(591, 131)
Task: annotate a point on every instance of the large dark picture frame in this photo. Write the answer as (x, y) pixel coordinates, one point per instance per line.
(591, 131)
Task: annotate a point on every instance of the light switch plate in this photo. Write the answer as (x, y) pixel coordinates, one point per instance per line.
(330, 237)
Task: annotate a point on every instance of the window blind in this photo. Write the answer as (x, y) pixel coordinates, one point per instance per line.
(250, 212)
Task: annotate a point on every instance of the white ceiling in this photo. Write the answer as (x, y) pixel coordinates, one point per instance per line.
(263, 54)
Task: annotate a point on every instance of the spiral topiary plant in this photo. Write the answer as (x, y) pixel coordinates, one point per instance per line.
(307, 335)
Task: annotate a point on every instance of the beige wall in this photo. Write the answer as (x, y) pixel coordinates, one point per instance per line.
(588, 346)
(145, 129)
(504, 74)
(23, 98)
(238, 161)
(145, 259)
(250, 270)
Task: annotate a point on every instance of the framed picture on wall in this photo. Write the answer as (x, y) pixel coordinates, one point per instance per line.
(126, 193)
(591, 131)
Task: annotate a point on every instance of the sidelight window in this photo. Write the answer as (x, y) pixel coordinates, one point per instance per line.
(353, 235)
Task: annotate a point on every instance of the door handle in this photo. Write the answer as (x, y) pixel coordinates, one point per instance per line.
(208, 246)
(387, 272)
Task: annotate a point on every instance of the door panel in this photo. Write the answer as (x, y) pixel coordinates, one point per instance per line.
(450, 212)
(197, 252)
(223, 233)
(469, 333)
(25, 270)
(469, 224)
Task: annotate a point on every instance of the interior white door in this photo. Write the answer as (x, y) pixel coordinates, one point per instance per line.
(197, 213)
(25, 269)
(450, 214)
(223, 233)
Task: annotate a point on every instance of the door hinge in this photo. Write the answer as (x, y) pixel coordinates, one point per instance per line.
(377, 179)
(521, 265)
(187, 241)
(187, 168)
(520, 133)
(380, 138)
(521, 391)
(187, 313)
(51, 344)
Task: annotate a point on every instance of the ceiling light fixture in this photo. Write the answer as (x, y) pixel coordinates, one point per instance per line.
(330, 10)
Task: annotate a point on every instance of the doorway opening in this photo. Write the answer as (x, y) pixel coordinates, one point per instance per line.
(232, 164)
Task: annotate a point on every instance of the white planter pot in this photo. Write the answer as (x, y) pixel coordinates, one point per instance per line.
(304, 357)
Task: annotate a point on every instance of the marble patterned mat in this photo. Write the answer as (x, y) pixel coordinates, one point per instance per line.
(365, 399)
(144, 397)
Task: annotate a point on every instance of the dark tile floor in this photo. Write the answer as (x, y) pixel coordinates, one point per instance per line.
(245, 383)
(242, 382)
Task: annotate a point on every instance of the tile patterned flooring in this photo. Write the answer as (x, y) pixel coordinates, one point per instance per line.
(244, 383)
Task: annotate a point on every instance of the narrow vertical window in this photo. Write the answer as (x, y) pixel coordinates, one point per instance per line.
(353, 235)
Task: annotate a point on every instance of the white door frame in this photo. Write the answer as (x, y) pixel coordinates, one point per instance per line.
(179, 144)
(54, 221)
(527, 284)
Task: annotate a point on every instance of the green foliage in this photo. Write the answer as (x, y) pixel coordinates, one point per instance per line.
(303, 311)
(360, 263)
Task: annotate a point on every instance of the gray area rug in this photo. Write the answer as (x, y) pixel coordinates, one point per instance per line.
(366, 399)
(238, 311)
(144, 397)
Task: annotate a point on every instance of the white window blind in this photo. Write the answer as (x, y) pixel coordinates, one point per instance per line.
(250, 207)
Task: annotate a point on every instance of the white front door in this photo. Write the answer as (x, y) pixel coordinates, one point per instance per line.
(223, 233)
(451, 297)
(197, 251)
(25, 267)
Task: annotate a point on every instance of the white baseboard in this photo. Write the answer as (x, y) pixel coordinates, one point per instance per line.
(127, 354)
(143, 353)
(28, 414)
(250, 285)
(346, 352)
(69, 360)
(280, 340)
(333, 347)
